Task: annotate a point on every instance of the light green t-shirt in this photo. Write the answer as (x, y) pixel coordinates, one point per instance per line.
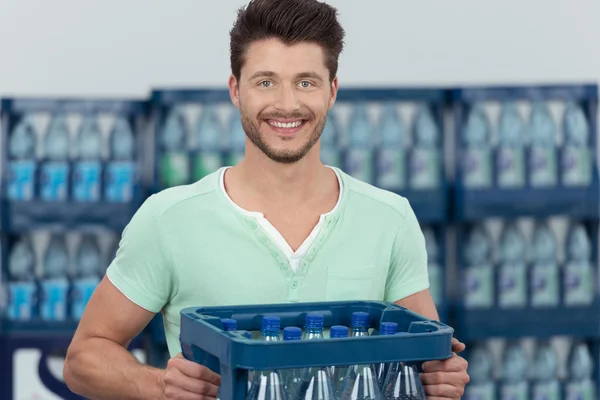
(188, 246)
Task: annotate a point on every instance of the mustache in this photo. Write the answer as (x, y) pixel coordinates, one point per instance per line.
(280, 115)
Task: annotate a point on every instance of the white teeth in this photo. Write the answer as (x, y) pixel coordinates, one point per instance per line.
(286, 125)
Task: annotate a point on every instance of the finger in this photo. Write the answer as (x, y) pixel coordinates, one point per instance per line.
(194, 370)
(453, 364)
(443, 391)
(177, 379)
(437, 378)
(457, 346)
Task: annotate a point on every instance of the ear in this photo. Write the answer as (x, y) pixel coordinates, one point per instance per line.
(334, 90)
(234, 91)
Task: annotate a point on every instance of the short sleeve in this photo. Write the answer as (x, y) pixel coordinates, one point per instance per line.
(407, 274)
(141, 269)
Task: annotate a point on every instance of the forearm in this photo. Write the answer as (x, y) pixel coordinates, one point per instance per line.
(104, 370)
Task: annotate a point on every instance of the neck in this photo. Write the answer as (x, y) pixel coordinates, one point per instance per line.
(282, 183)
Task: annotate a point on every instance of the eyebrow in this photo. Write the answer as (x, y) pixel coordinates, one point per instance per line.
(271, 74)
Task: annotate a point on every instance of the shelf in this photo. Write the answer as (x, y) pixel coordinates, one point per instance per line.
(478, 324)
(429, 205)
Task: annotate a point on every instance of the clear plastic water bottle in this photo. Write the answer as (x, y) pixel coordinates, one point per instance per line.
(21, 281)
(477, 151)
(360, 323)
(313, 326)
(381, 369)
(22, 160)
(481, 372)
(436, 279)
(330, 142)
(338, 372)
(292, 377)
(55, 169)
(543, 163)
(545, 281)
(174, 162)
(359, 154)
(403, 383)
(514, 379)
(88, 273)
(510, 156)
(577, 156)
(426, 154)
(121, 173)
(55, 283)
(546, 385)
(391, 155)
(579, 277)
(512, 274)
(209, 142)
(88, 168)
(268, 384)
(479, 272)
(236, 142)
(580, 384)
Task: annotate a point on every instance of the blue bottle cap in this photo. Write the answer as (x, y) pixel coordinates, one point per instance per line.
(360, 319)
(292, 333)
(338, 331)
(271, 323)
(314, 321)
(388, 328)
(247, 335)
(229, 324)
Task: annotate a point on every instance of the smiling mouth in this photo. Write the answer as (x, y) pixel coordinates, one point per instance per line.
(286, 127)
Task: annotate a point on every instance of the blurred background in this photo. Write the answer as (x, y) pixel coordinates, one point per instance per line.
(483, 116)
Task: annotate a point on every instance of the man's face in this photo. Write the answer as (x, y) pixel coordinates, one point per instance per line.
(283, 95)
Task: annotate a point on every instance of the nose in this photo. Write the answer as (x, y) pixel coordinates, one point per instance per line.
(287, 99)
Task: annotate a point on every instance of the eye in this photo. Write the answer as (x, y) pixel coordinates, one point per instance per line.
(265, 84)
(305, 84)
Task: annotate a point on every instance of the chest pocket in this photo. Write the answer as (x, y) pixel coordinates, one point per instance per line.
(354, 282)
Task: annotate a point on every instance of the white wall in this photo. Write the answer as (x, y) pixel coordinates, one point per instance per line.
(126, 47)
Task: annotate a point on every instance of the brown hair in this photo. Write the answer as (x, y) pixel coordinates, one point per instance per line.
(292, 22)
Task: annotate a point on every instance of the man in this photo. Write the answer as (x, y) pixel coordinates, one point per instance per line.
(278, 227)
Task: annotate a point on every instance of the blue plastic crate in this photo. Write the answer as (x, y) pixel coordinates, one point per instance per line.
(232, 355)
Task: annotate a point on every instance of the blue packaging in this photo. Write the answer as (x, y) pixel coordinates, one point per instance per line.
(86, 181)
(21, 301)
(53, 296)
(83, 288)
(21, 180)
(120, 180)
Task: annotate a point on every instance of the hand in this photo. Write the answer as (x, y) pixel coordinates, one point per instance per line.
(187, 380)
(446, 379)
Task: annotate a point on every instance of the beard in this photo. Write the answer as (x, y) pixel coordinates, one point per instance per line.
(282, 156)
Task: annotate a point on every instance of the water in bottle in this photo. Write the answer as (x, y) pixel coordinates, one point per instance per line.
(22, 160)
(578, 281)
(543, 161)
(580, 383)
(174, 163)
(545, 280)
(434, 268)
(292, 377)
(88, 273)
(512, 274)
(268, 384)
(55, 282)
(481, 372)
(21, 281)
(360, 323)
(476, 151)
(381, 369)
(359, 154)
(577, 155)
(88, 167)
(209, 137)
(546, 385)
(479, 271)
(514, 380)
(338, 372)
(330, 142)
(236, 143)
(121, 172)
(313, 326)
(391, 155)
(403, 383)
(426, 154)
(55, 169)
(361, 383)
(510, 156)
